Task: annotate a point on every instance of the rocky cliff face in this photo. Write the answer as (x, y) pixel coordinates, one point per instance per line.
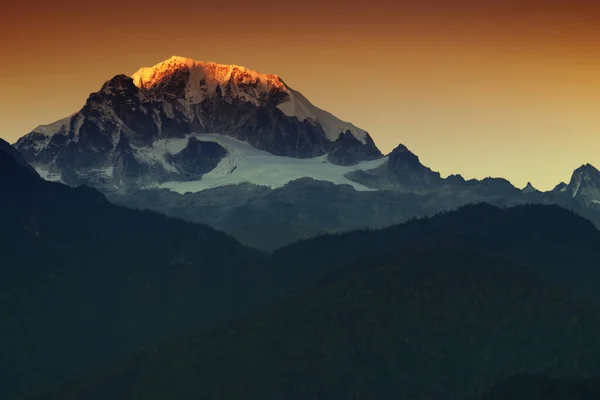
(402, 172)
(348, 150)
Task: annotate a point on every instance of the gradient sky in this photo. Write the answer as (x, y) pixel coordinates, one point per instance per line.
(476, 87)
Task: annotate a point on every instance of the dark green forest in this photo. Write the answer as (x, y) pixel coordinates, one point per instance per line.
(434, 325)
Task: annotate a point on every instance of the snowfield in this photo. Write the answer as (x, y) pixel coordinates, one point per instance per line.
(246, 164)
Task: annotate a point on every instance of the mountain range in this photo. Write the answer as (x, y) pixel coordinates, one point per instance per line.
(209, 142)
(203, 231)
(100, 301)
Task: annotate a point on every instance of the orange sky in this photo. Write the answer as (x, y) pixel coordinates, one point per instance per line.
(481, 88)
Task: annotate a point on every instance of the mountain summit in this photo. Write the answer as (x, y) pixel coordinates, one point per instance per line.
(117, 138)
(530, 188)
(196, 81)
(585, 185)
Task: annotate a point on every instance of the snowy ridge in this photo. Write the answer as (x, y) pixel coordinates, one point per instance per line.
(53, 128)
(61, 126)
(205, 77)
(245, 164)
(45, 174)
(298, 106)
(243, 83)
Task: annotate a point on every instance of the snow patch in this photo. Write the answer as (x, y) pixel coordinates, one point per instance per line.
(77, 126)
(46, 175)
(53, 128)
(107, 172)
(300, 107)
(577, 186)
(246, 164)
(168, 109)
(154, 155)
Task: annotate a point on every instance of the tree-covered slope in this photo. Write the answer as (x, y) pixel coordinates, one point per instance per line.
(434, 325)
(554, 243)
(84, 283)
(541, 387)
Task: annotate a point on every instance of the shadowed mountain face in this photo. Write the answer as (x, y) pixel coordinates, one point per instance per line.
(585, 185)
(198, 158)
(10, 160)
(348, 150)
(402, 171)
(434, 325)
(84, 283)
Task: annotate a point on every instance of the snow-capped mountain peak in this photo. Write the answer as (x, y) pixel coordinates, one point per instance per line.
(106, 143)
(194, 81)
(148, 76)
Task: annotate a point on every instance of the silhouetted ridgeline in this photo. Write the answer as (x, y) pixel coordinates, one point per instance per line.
(554, 243)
